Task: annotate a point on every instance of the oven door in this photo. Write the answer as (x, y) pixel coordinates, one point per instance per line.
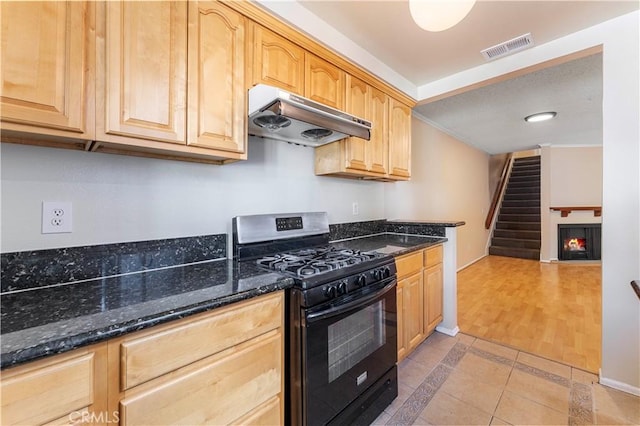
(347, 346)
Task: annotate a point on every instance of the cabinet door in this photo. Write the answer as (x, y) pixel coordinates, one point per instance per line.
(323, 82)
(357, 103)
(402, 346)
(379, 143)
(144, 94)
(57, 390)
(433, 297)
(399, 140)
(413, 310)
(45, 52)
(217, 99)
(277, 61)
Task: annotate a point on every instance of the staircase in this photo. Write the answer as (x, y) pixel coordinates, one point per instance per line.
(517, 230)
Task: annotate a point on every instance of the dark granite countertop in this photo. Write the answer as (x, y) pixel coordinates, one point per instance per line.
(444, 223)
(390, 243)
(56, 319)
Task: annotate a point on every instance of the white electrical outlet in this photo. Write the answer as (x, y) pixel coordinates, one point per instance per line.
(354, 208)
(57, 217)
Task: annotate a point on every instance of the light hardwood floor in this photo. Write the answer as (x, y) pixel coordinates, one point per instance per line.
(551, 310)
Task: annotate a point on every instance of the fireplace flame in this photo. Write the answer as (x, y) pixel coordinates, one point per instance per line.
(574, 244)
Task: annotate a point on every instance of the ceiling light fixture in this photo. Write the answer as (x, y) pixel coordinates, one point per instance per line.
(540, 116)
(439, 15)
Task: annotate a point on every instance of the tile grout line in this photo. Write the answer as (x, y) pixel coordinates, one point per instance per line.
(504, 387)
(580, 395)
(581, 410)
(410, 410)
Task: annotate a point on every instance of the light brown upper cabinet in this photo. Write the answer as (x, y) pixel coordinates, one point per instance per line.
(378, 146)
(359, 104)
(142, 87)
(399, 140)
(216, 83)
(47, 68)
(323, 82)
(281, 63)
(277, 61)
(170, 80)
(354, 156)
(387, 156)
(193, 50)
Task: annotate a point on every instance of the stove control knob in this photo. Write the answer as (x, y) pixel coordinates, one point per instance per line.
(386, 272)
(378, 274)
(361, 280)
(342, 288)
(331, 291)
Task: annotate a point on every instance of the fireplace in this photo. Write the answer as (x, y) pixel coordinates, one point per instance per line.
(579, 241)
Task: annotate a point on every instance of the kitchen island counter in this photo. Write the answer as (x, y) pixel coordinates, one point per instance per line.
(56, 319)
(390, 243)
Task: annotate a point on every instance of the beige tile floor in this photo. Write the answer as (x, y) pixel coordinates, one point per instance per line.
(467, 381)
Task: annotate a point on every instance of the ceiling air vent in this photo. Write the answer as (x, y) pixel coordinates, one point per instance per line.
(508, 47)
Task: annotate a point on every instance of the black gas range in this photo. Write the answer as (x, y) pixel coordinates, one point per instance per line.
(341, 317)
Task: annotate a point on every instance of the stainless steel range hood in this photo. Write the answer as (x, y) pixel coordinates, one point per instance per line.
(277, 114)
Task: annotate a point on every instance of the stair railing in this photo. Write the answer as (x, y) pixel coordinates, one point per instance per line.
(497, 195)
(636, 287)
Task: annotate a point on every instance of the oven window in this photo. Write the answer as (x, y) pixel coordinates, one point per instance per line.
(354, 338)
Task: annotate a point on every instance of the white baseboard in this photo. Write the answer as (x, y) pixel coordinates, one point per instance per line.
(472, 262)
(624, 387)
(448, 331)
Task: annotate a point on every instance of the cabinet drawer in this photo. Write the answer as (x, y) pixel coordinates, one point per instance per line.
(433, 256)
(47, 393)
(155, 353)
(218, 393)
(409, 264)
(268, 414)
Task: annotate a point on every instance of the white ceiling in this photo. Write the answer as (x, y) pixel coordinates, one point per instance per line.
(490, 118)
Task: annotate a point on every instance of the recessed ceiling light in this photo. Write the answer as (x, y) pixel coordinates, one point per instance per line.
(540, 116)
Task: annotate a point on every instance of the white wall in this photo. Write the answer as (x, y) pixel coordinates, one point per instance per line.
(449, 181)
(574, 179)
(621, 203)
(120, 198)
(576, 176)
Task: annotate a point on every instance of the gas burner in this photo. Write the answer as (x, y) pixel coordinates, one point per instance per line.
(313, 261)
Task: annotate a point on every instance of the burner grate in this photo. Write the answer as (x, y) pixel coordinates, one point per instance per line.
(313, 261)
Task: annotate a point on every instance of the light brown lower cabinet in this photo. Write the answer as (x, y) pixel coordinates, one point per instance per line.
(413, 290)
(219, 367)
(433, 297)
(419, 297)
(70, 388)
(217, 391)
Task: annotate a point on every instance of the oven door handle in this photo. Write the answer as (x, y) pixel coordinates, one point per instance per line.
(339, 309)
